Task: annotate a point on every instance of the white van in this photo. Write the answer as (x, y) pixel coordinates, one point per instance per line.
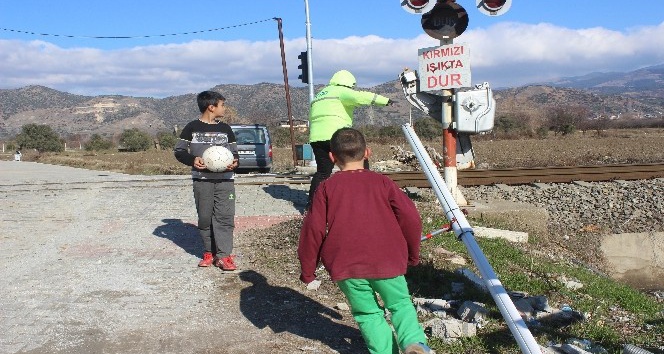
(254, 147)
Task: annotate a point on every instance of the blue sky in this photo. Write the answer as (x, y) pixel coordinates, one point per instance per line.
(236, 42)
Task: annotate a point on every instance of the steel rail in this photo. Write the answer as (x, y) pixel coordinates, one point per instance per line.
(559, 174)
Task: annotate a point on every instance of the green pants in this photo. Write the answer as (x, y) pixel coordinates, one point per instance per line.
(370, 316)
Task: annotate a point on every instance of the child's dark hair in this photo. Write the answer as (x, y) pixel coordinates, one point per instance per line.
(347, 145)
(207, 98)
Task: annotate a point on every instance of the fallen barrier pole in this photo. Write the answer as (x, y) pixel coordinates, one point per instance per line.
(464, 232)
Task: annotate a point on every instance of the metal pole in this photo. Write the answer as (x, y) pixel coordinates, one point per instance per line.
(450, 143)
(288, 100)
(464, 232)
(309, 61)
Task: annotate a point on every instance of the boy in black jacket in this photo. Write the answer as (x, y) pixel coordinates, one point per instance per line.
(214, 192)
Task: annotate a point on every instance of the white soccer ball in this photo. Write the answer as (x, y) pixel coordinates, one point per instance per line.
(217, 158)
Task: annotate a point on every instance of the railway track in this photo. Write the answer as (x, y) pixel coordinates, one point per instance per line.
(515, 176)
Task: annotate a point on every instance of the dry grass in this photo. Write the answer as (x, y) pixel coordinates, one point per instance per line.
(613, 147)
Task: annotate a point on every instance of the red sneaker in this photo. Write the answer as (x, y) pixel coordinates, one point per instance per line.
(207, 260)
(226, 263)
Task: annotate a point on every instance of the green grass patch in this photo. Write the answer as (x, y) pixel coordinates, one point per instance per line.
(615, 313)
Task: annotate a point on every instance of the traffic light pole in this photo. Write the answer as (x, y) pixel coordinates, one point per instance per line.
(309, 62)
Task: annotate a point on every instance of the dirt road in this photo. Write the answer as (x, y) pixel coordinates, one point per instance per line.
(96, 262)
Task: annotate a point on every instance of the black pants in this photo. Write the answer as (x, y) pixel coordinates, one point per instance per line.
(324, 166)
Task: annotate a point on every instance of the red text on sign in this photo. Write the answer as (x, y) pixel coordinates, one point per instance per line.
(444, 65)
(444, 80)
(442, 52)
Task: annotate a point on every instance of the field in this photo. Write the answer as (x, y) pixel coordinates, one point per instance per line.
(612, 147)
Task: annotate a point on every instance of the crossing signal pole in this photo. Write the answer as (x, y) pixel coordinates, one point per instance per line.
(445, 20)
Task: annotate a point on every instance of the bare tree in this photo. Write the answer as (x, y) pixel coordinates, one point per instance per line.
(598, 124)
(566, 119)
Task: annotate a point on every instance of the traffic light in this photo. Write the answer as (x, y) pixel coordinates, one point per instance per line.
(417, 6)
(493, 7)
(304, 67)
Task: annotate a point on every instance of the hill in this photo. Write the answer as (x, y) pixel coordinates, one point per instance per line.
(639, 93)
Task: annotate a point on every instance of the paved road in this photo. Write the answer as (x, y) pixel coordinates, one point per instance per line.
(104, 262)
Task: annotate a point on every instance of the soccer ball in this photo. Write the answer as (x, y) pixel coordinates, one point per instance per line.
(217, 158)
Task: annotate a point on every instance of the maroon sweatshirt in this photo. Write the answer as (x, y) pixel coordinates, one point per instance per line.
(361, 225)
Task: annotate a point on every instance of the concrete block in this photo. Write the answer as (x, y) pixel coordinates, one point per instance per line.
(539, 303)
(564, 349)
(433, 304)
(472, 312)
(572, 349)
(511, 236)
(516, 216)
(447, 328)
(412, 191)
(633, 349)
(636, 258)
(525, 309)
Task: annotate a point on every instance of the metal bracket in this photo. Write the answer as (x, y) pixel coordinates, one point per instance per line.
(425, 102)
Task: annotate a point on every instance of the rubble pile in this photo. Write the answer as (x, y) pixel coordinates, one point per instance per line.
(409, 159)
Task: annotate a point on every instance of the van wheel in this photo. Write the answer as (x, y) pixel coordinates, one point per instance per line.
(265, 170)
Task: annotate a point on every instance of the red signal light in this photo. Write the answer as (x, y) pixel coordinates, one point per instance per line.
(494, 5)
(418, 6)
(418, 3)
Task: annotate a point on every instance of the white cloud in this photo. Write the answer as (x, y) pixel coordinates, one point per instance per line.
(504, 54)
(514, 54)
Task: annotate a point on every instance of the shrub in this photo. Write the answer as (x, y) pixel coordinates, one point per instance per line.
(97, 143)
(39, 137)
(135, 140)
(428, 128)
(167, 140)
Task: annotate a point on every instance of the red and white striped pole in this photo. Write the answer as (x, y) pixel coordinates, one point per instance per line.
(450, 143)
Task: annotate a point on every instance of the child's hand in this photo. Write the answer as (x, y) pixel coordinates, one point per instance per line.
(199, 164)
(307, 278)
(233, 165)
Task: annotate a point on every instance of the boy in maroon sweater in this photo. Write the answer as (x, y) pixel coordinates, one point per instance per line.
(366, 232)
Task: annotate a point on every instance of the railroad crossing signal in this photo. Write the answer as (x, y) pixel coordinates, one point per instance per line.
(487, 7)
(304, 67)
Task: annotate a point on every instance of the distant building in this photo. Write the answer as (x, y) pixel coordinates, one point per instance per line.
(299, 124)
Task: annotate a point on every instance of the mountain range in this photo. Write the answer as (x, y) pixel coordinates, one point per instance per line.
(639, 93)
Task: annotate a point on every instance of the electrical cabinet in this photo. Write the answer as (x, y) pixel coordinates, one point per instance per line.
(474, 110)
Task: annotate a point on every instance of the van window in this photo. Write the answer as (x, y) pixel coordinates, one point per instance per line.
(249, 135)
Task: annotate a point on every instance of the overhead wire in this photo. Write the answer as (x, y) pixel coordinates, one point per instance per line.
(136, 36)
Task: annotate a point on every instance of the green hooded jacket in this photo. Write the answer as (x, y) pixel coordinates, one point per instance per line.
(332, 108)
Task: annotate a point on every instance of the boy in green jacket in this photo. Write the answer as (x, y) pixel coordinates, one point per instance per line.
(331, 110)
